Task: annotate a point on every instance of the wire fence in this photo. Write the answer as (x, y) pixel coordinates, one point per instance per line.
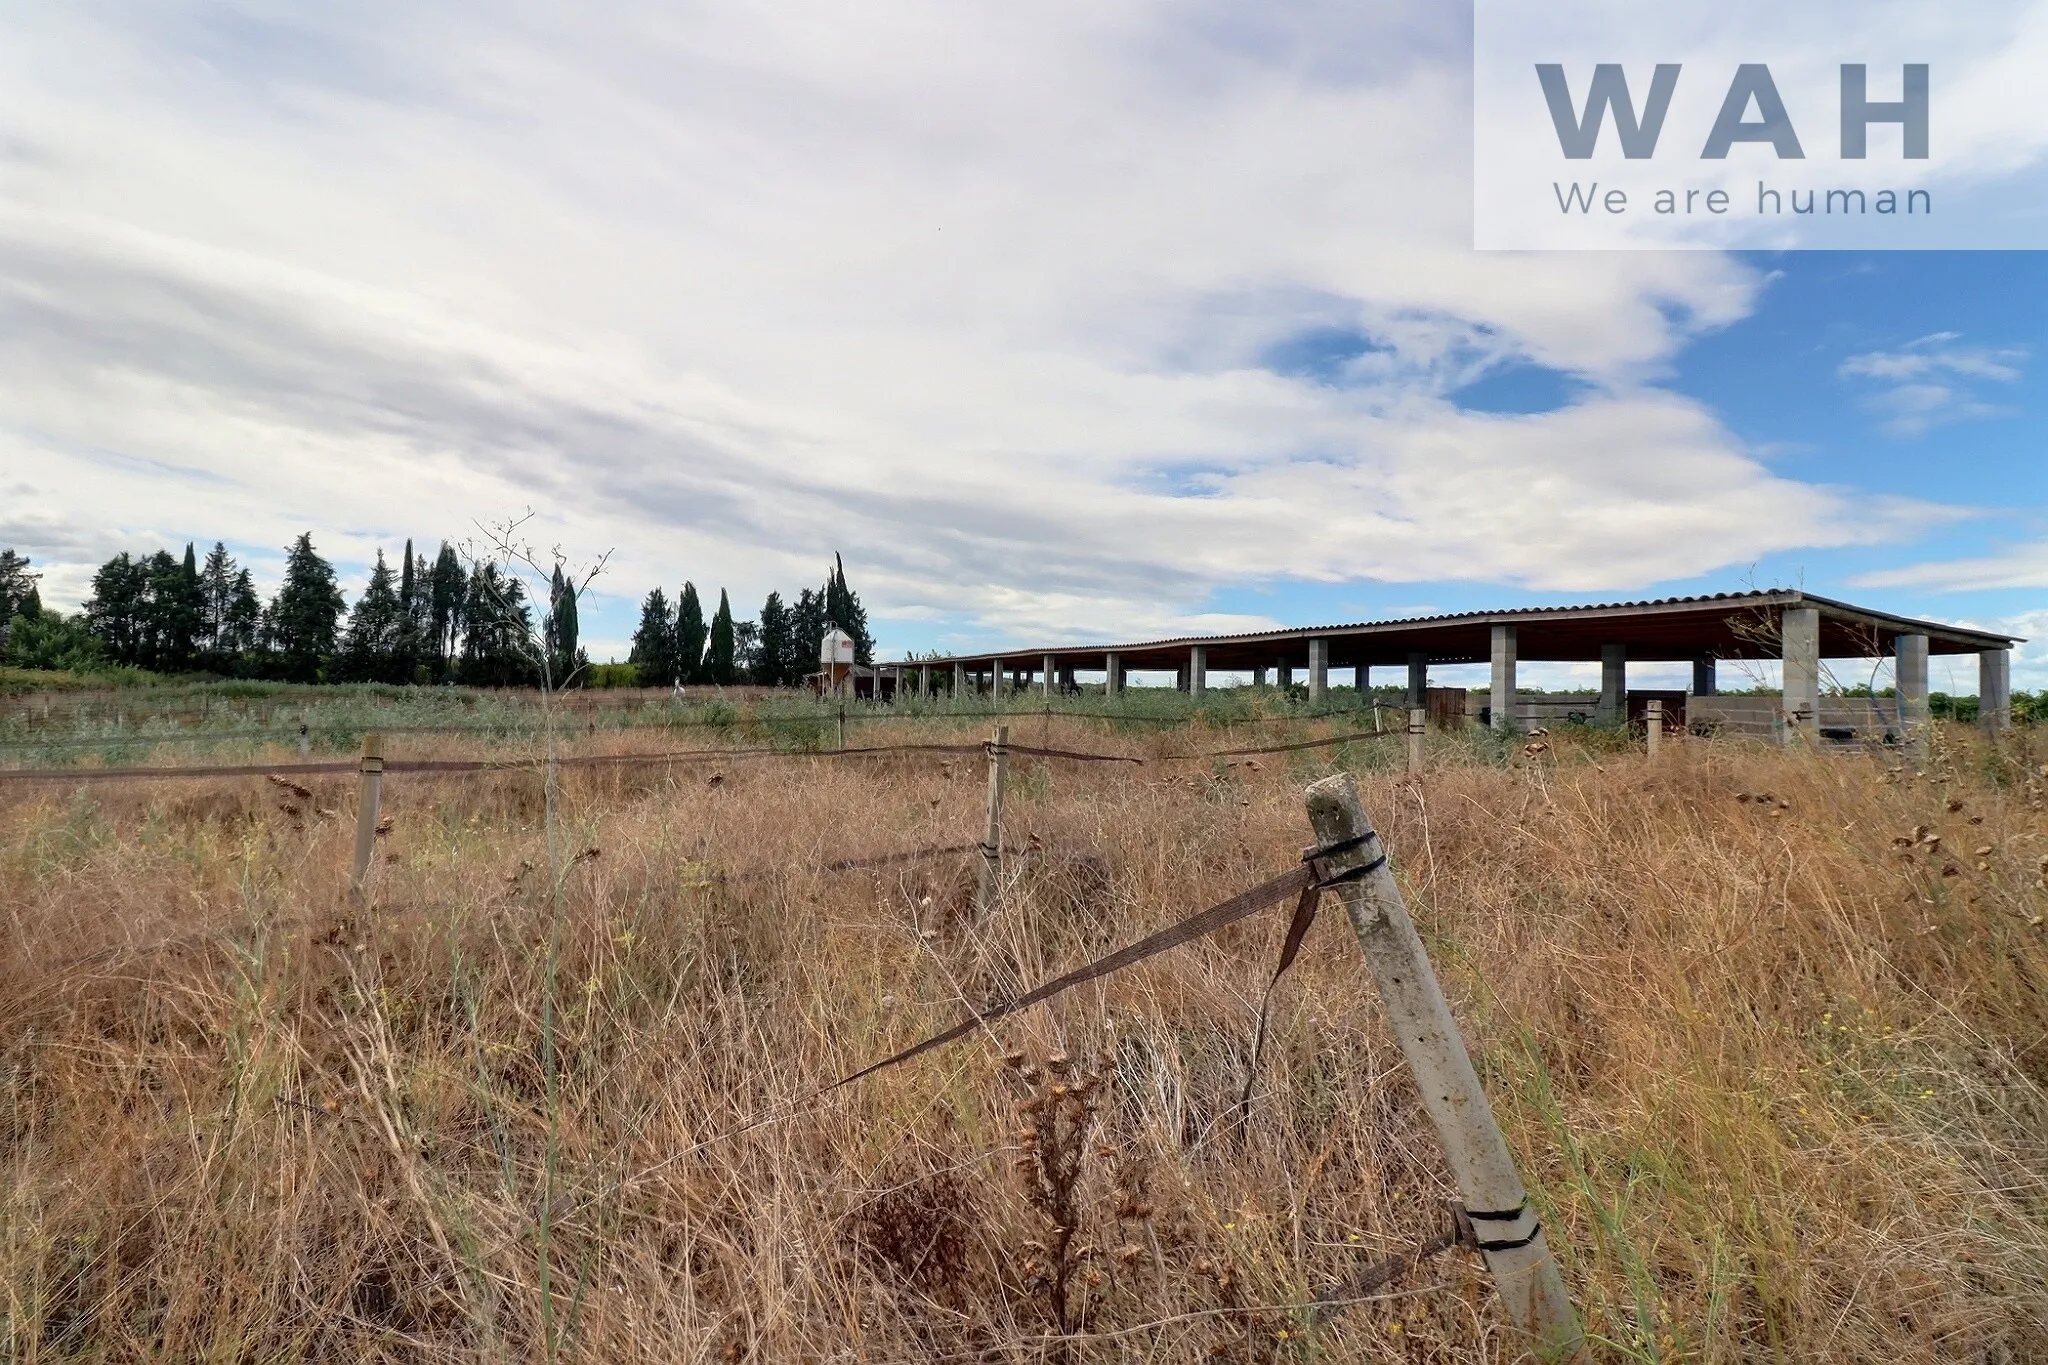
(606, 719)
(657, 757)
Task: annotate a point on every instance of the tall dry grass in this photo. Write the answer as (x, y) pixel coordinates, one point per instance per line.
(1774, 1060)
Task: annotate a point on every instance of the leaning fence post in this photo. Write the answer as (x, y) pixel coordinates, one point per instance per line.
(1654, 726)
(1418, 731)
(992, 839)
(1510, 1238)
(370, 790)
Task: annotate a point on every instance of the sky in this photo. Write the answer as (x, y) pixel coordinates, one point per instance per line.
(1062, 321)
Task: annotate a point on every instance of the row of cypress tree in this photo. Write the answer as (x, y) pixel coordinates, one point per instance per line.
(427, 621)
(778, 649)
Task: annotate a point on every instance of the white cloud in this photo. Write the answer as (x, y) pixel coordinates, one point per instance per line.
(2023, 566)
(972, 293)
(1924, 380)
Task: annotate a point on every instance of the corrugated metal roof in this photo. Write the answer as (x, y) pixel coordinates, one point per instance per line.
(1768, 596)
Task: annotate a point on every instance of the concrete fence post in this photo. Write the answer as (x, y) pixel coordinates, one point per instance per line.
(370, 790)
(305, 739)
(992, 838)
(1510, 1237)
(1653, 727)
(1418, 733)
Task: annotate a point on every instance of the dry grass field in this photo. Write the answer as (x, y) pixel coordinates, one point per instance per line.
(1768, 1034)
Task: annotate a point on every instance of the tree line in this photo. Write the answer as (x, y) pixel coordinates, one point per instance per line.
(428, 621)
(777, 649)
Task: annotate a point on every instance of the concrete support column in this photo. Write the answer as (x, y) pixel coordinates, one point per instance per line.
(1994, 689)
(1418, 679)
(1361, 681)
(1050, 680)
(1113, 675)
(1258, 677)
(1503, 677)
(1318, 671)
(924, 680)
(1284, 674)
(959, 681)
(1909, 672)
(1198, 671)
(1704, 683)
(1613, 683)
(1799, 632)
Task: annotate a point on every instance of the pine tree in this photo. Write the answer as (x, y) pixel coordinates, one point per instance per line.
(370, 650)
(746, 650)
(17, 585)
(807, 635)
(450, 592)
(772, 655)
(117, 612)
(305, 616)
(375, 633)
(654, 643)
(49, 639)
(216, 594)
(691, 666)
(497, 635)
(560, 629)
(159, 599)
(179, 609)
(718, 657)
(409, 635)
(243, 628)
(425, 652)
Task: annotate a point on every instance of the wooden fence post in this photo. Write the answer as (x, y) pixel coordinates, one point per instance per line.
(1418, 731)
(992, 839)
(369, 792)
(1654, 726)
(1510, 1238)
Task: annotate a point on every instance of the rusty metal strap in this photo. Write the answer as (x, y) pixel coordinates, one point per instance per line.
(889, 859)
(1329, 743)
(469, 765)
(1015, 748)
(1389, 1269)
(1240, 906)
(144, 774)
(1297, 930)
